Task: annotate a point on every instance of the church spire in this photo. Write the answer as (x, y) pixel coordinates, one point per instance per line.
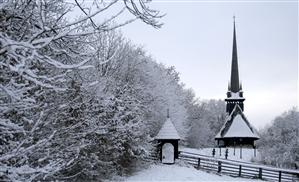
(234, 80)
(234, 93)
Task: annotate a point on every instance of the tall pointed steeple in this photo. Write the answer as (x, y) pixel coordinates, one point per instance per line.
(235, 93)
(234, 79)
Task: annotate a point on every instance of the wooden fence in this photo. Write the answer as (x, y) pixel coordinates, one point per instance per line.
(240, 169)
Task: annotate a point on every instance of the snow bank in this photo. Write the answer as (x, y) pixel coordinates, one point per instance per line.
(164, 172)
(247, 153)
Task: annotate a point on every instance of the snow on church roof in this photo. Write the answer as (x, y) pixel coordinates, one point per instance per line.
(237, 126)
(168, 131)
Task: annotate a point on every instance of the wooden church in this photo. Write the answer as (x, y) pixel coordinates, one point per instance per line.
(236, 131)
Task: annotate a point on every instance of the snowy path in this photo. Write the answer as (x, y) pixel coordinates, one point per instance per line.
(163, 172)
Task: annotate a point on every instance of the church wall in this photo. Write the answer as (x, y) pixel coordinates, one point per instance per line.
(230, 142)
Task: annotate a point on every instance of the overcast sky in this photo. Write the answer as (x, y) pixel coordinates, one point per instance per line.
(197, 39)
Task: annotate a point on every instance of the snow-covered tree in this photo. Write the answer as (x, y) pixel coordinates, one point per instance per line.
(279, 142)
(79, 101)
(48, 128)
(206, 119)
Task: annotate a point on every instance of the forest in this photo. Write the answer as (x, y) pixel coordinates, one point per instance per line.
(80, 101)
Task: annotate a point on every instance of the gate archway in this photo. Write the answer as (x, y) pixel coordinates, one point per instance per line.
(168, 153)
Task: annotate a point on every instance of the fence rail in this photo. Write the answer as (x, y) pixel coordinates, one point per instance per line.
(239, 169)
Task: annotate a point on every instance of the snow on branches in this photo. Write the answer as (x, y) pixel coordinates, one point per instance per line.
(48, 54)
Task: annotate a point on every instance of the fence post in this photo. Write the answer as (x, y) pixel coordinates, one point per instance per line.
(234, 147)
(279, 177)
(240, 170)
(226, 153)
(260, 173)
(219, 166)
(198, 164)
(241, 151)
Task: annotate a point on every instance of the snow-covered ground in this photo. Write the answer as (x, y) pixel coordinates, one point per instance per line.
(179, 172)
(248, 158)
(247, 154)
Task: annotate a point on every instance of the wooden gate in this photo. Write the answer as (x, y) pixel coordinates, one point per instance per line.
(168, 153)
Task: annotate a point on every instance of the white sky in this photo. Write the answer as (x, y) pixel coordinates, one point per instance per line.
(197, 39)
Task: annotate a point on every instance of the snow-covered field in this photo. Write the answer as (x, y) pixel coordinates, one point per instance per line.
(247, 154)
(176, 172)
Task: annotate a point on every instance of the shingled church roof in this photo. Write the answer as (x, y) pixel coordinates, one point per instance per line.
(237, 126)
